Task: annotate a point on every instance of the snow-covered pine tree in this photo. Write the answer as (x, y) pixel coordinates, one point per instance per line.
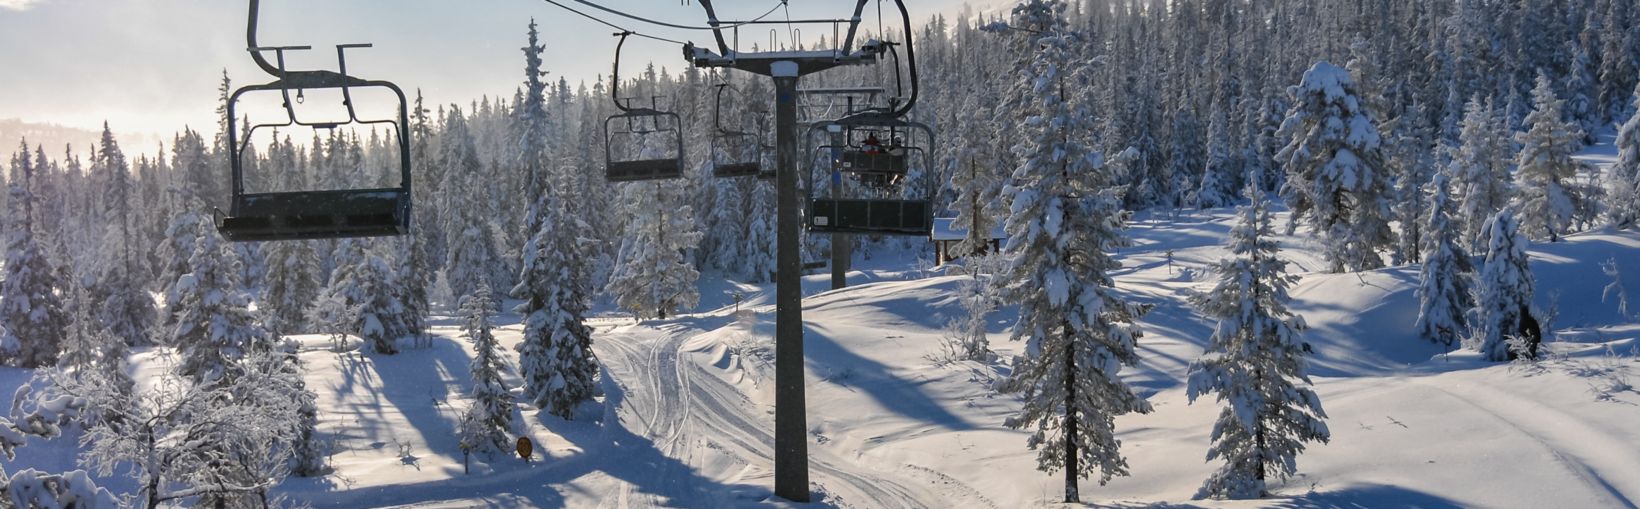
(30, 311)
(187, 217)
(126, 309)
(412, 277)
(1546, 167)
(1481, 166)
(976, 183)
(215, 328)
(367, 285)
(1184, 155)
(1503, 294)
(757, 248)
(1335, 172)
(471, 253)
(1444, 293)
(1255, 364)
(653, 278)
(290, 287)
(1079, 332)
(440, 297)
(1218, 178)
(1624, 190)
(556, 360)
(487, 423)
(291, 284)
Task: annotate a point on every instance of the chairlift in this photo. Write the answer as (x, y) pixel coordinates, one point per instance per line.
(322, 214)
(734, 153)
(630, 134)
(878, 173)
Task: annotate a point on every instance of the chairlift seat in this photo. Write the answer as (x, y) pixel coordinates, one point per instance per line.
(860, 161)
(643, 169)
(731, 170)
(308, 215)
(879, 217)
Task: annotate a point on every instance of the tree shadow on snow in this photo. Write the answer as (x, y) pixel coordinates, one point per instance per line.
(618, 452)
(876, 380)
(1366, 496)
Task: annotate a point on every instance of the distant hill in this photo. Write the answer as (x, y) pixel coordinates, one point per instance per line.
(55, 137)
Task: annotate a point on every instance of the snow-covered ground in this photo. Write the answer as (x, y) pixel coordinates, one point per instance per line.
(686, 417)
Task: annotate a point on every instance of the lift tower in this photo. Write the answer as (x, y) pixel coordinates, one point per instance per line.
(791, 450)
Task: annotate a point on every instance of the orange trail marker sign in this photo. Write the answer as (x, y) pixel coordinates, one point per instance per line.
(525, 448)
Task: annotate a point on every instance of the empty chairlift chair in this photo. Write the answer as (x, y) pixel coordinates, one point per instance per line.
(629, 146)
(631, 152)
(734, 153)
(321, 214)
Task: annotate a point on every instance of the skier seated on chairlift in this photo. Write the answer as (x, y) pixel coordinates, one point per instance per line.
(895, 147)
(871, 145)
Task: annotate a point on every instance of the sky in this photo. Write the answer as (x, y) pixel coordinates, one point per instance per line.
(153, 66)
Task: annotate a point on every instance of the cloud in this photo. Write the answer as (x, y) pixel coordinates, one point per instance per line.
(18, 5)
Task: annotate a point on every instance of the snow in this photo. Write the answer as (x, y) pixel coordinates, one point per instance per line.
(686, 414)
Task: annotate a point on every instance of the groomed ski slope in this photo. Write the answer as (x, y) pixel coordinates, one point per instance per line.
(687, 412)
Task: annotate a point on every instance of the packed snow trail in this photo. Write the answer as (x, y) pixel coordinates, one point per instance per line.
(711, 427)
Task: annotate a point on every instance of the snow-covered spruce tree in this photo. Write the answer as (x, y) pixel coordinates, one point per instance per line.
(487, 423)
(1503, 294)
(1080, 332)
(556, 360)
(1218, 178)
(1335, 172)
(1545, 163)
(126, 309)
(367, 284)
(1481, 166)
(1255, 364)
(471, 252)
(290, 286)
(440, 298)
(1624, 190)
(30, 311)
(757, 245)
(215, 328)
(653, 277)
(1444, 297)
(530, 122)
(412, 278)
(976, 183)
(91, 351)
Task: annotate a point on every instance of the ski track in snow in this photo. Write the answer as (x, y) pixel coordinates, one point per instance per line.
(1588, 457)
(685, 409)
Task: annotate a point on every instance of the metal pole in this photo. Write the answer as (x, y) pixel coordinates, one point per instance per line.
(841, 247)
(791, 447)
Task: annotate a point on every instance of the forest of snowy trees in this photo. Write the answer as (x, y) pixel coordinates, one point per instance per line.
(1400, 131)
